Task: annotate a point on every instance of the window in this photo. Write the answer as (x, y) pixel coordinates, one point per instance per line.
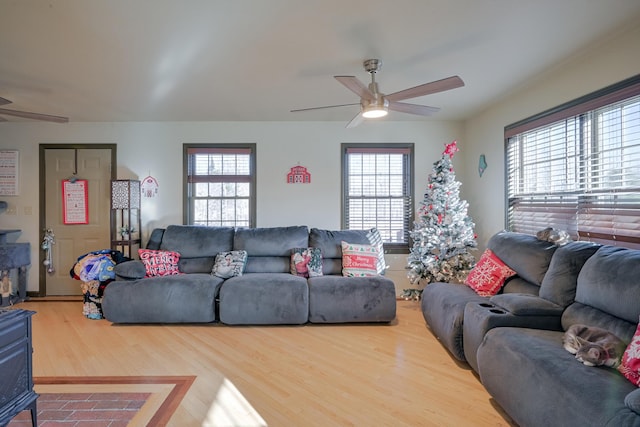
(377, 191)
(220, 185)
(577, 168)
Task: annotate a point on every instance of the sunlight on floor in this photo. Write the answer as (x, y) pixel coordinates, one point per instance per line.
(230, 408)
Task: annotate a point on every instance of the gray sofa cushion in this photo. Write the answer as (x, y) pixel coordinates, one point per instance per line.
(538, 383)
(197, 245)
(329, 243)
(518, 285)
(193, 241)
(609, 282)
(269, 249)
(338, 299)
(524, 253)
(560, 281)
(168, 299)
(264, 299)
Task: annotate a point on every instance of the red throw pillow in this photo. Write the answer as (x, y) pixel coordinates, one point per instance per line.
(489, 274)
(159, 263)
(630, 366)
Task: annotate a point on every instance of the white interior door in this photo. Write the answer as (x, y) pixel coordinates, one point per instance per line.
(72, 241)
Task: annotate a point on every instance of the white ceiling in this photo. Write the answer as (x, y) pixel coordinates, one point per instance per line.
(254, 60)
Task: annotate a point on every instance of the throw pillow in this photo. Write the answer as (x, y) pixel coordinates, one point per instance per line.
(359, 260)
(375, 239)
(159, 263)
(630, 366)
(488, 275)
(306, 262)
(229, 264)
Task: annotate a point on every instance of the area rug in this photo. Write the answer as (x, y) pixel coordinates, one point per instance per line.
(106, 401)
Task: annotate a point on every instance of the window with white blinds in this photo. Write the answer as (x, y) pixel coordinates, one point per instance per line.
(220, 185)
(377, 191)
(581, 172)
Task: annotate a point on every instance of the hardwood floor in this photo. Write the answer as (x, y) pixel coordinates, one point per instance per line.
(312, 375)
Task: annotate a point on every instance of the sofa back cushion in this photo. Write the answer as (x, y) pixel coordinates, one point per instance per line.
(524, 253)
(330, 243)
(269, 249)
(608, 294)
(559, 284)
(197, 245)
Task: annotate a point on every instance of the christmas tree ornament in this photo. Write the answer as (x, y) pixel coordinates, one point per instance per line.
(443, 233)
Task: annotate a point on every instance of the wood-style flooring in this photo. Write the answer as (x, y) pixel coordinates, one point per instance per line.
(312, 375)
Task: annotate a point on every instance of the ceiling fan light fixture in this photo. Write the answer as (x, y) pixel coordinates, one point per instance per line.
(375, 110)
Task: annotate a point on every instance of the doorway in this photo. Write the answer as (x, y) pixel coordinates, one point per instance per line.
(95, 163)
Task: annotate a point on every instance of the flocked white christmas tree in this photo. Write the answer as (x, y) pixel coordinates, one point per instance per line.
(443, 232)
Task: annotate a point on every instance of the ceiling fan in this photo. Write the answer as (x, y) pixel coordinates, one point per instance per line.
(374, 104)
(28, 115)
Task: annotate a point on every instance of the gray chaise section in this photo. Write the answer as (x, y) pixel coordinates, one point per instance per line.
(443, 304)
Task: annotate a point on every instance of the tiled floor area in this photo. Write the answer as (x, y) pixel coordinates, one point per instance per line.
(84, 410)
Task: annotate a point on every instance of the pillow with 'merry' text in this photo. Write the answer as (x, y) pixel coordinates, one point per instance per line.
(359, 260)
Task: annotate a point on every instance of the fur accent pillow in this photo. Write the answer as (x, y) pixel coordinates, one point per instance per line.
(229, 264)
(359, 260)
(159, 263)
(306, 262)
(375, 239)
(488, 275)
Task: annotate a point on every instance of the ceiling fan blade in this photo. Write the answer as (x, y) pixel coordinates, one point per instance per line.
(427, 89)
(356, 86)
(34, 116)
(355, 121)
(421, 110)
(2, 119)
(4, 101)
(327, 106)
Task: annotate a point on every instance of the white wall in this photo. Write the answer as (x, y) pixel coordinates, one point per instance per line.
(608, 62)
(156, 149)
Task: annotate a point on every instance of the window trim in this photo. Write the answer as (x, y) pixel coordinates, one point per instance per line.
(249, 148)
(381, 148)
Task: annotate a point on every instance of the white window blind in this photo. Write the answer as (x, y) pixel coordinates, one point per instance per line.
(580, 174)
(377, 191)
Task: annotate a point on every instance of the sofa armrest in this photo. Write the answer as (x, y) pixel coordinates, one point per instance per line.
(130, 270)
(632, 401)
(527, 305)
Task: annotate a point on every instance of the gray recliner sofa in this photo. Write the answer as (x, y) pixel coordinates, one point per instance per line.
(265, 294)
(538, 383)
(514, 339)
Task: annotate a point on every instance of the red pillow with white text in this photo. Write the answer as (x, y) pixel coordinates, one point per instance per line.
(359, 260)
(159, 263)
(488, 275)
(630, 364)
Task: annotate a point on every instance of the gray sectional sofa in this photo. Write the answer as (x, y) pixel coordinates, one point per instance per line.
(265, 294)
(514, 339)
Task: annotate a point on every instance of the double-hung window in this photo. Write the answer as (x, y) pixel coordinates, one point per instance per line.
(377, 191)
(220, 185)
(577, 168)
